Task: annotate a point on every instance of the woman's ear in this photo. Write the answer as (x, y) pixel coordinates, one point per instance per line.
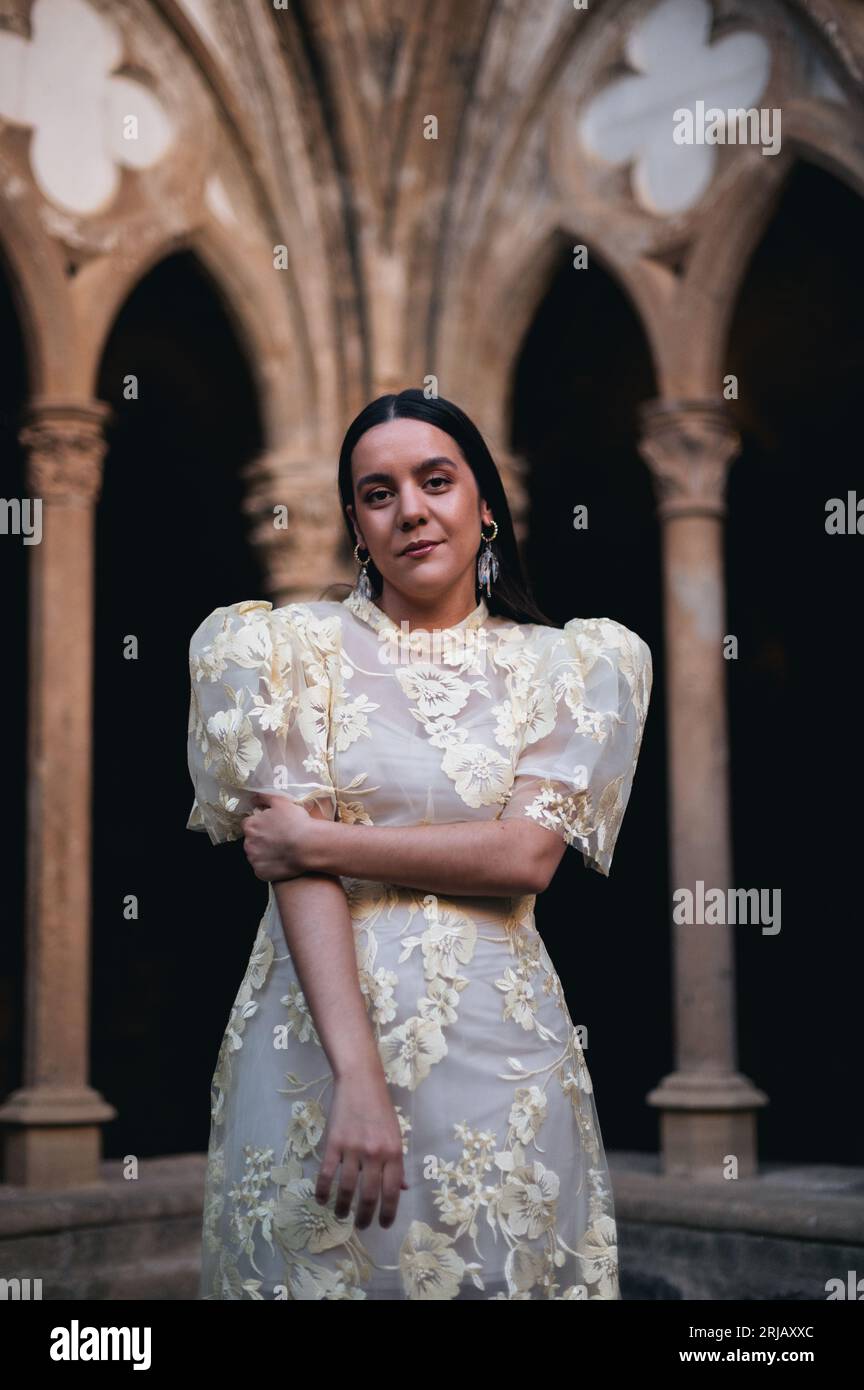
(358, 539)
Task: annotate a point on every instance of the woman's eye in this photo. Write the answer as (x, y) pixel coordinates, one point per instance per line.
(378, 493)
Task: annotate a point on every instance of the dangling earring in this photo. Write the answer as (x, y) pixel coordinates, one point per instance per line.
(487, 563)
(363, 585)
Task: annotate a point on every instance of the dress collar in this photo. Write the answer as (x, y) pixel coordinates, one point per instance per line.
(369, 612)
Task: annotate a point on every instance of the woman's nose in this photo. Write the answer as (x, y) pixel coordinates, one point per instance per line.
(411, 511)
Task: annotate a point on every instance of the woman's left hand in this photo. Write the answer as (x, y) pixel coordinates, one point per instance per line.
(275, 835)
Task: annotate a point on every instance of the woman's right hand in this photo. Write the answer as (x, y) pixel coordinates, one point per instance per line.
(363, 1135)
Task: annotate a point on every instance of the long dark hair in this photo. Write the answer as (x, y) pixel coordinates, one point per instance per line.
(511, 595)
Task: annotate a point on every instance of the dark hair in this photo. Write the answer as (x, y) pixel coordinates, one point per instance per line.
(511, 595)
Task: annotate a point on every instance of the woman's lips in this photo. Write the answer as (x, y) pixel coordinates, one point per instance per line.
(420, 551)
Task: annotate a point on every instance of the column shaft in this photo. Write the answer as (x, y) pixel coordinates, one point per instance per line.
(52, 1124)
(707, 1107)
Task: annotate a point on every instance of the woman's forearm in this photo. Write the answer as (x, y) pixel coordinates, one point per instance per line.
(483, 858)
(317, 924)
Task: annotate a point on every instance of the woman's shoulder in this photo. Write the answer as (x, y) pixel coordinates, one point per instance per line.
(229, 618)
(316, 610)
(314, 621)
(609, 632)
(589, 638)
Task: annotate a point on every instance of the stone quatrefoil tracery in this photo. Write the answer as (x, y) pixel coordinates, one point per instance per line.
(675, 65)
(86, 117)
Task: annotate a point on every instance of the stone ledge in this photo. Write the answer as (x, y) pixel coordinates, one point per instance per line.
(165, 1187)
(818, 1202)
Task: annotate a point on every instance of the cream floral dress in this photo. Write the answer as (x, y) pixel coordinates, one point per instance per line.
(326, 701)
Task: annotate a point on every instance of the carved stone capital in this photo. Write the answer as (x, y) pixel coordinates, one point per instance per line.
(66, 444)
(689, 446)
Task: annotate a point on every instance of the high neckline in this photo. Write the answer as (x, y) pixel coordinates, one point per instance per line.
(367, 610)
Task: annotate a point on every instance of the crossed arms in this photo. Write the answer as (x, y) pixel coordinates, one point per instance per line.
(496, 858)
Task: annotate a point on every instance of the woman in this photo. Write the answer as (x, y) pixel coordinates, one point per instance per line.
(406, 768)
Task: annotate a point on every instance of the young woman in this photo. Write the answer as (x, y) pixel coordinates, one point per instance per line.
(406, 767)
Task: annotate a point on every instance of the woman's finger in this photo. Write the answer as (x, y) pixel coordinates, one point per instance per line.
(392, 1182)
(370, 1191)
(347, 1183)
(326, 1174)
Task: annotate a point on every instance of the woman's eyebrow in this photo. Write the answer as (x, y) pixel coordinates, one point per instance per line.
(416, 469)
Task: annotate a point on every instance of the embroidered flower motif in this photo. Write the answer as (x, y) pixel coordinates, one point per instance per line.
(435, 691)
(443, 732)
(482, 776)
(352, 813)
(430, 1268)
(556, 810)
(528, 1112)
(233, 746)
(245, 1006)
(529, 1200)
(518, 998)
(306, 1128)
(378, 988)
(598, 1257)
(509, 728)
(409, 1052)
(300, 1020)
(272, 715)
(539, 713)
(449, 940)
(439, 1005)
(576, 1079)
(301, 1223)
(349, 721)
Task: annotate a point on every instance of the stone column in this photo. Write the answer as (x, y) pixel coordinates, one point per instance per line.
(302, 554)
(707, 1108)
(52, 1125)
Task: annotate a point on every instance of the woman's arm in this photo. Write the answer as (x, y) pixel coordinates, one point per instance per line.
(363, 1133)
(484, 858)
(320, 936)
(467, 858)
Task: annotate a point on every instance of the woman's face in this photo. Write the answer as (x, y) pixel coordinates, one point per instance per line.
(411, 483)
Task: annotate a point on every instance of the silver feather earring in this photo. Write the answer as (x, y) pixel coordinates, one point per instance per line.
(364, 584)
(487, 562)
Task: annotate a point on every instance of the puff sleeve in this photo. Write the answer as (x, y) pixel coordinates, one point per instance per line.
(260, 712)
(586, 705)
